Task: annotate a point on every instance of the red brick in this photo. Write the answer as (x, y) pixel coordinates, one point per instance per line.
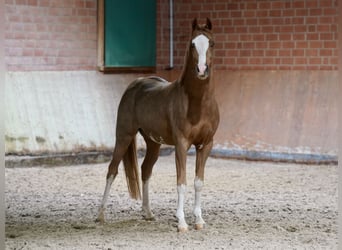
(254, 60)
(311, 52)
(275, 13)
(267, 60)
(232, 6)
(249, 13)
(326, 36)
(248, 45)
(263, 5)
(325, 52)
(289, 12)
(312, 4)
(267, 29)
(258, 37)
(315, 60)
(298, 52)
(278, 5)
(301, 44)
(218, 6)
(326, 19)
(299, 29)
(285, 52)
(277, 21)
(236, 13)
(261, 45)
(301, 12)
(288, 44)
(274, 45)
(252, 6)
(242, 60)
(254, 29)
(315, 12)
(287, 60)
(312, 36)
(311, 20)
(287, 28)
(330, 12)
(258, 53)
(32, 2)
(232, 53)
(326, 3)
(239, 21)
(315, 44)
(330, 44)
(261, 13)
(271, 53)
(245, 37)
(300, 60)
(323, 28)
(298, 4)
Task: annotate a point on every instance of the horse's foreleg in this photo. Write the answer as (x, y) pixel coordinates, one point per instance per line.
(181, 186)
(202, 153)
(152, 153)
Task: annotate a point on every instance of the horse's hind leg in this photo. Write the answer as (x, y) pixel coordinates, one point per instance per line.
(119, 150)
(152, 153)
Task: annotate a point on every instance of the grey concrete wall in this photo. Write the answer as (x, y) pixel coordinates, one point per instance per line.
(57, 112)
(276, 113)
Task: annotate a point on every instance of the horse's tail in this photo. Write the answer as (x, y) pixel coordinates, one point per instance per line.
(131, 170)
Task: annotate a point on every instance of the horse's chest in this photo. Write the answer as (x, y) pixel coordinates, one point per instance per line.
(201, 132)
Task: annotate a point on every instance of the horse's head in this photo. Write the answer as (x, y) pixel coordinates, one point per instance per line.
(201, 46)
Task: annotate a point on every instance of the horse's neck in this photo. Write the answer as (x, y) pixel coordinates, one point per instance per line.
(195, 88)
(199, 93)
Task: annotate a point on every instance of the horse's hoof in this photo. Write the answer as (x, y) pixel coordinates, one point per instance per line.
(150, 218)
(182, 229)
(199, 226)
(100, 220)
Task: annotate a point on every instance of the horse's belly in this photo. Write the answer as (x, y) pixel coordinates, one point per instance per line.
(157, 136)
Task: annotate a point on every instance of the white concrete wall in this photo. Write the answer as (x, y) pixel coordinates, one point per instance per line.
(58, 112)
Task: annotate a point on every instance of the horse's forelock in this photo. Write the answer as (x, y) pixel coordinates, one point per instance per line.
(202, 31)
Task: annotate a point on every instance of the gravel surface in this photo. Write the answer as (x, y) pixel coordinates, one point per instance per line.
(246, 205)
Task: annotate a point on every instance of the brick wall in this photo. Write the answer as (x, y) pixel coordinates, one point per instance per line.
(251, 34)
(266, 35)
(50, 35)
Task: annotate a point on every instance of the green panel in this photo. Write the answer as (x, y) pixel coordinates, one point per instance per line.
(130, 33)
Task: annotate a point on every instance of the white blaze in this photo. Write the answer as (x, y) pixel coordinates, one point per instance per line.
(201, 43)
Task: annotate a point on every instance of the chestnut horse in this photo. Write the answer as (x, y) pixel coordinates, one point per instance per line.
(182, 113)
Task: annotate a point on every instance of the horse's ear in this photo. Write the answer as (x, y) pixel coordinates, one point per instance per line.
(208, 25)
(194, 24)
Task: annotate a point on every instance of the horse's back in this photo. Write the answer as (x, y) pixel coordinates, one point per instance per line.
(146, 83)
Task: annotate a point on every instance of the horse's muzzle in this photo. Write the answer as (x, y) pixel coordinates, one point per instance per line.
(202, 71)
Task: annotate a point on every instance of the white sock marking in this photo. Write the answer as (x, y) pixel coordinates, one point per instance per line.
(181, 189)
(198, 184)
(146, 201)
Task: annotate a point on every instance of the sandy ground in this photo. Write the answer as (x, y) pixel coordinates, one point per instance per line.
(247, 205)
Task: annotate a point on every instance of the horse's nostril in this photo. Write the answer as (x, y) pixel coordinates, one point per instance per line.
(201, 69)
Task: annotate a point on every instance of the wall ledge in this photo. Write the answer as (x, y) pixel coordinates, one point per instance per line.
(68, 159)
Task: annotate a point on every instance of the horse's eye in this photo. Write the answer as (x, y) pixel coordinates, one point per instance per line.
(212, 43)
(192, 45)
